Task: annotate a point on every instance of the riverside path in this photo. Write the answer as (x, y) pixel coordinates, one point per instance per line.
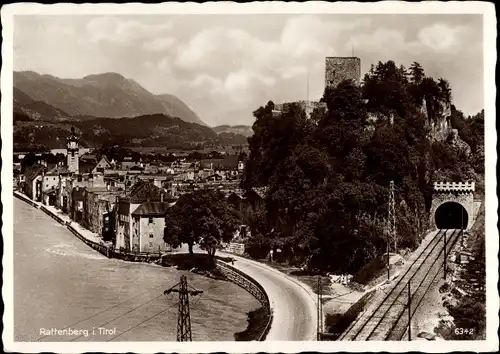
(62, 284)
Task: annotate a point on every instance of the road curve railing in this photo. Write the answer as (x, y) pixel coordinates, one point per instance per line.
(252, 286)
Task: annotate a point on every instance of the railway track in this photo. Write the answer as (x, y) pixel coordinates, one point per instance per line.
(386, 318)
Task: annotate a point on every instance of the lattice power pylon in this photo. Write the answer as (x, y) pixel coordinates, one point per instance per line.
(391, 227)
(184, 318)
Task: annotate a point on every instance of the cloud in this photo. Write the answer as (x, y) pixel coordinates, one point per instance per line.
(112, 29)
(442, 38)
(224, 67)
(160, 44)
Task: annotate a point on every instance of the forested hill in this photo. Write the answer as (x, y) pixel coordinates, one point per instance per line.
(328, 177)
(147, 130)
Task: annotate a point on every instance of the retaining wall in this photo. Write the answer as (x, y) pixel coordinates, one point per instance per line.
(250, 285)
(232, 274)
(105, 250)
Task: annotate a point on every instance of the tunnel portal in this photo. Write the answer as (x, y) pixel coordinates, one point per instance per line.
(451, 215)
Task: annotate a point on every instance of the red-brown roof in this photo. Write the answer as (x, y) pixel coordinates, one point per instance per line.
(153, 209)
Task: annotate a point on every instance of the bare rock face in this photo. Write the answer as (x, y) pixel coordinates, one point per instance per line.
(457, 143)
(438, 120)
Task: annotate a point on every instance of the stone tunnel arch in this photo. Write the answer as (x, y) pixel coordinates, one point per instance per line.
(451, 215)
(452, 205)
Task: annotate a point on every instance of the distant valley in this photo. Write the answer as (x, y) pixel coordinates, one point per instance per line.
(244, 130)
(108, 109)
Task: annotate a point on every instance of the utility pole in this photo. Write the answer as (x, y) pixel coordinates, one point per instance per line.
(388, 259)
(392, 216)
(444, 252)
(391, 226)
(319, 310)
(183, 319)
(409, 312)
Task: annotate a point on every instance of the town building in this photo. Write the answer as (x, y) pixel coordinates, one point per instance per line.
(247, 202)
(102, 165)
(52, 181)
(128, 162)
(33, 185)
(141, 192)
(148, 225)
(76, 200)
(98, 202)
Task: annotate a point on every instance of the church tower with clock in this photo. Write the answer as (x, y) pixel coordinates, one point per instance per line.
(72, 152)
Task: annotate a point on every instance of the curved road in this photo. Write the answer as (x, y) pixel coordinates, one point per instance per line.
(293, 303)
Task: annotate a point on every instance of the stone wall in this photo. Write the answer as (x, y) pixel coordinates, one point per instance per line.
(338, 69)
(307, 106)
(252, 286)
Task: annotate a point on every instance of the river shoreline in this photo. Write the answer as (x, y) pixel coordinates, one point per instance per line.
(256, 330)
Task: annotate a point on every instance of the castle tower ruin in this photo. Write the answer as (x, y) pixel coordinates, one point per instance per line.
(338, 69)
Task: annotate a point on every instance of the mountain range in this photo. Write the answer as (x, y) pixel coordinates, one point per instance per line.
(104, 95)
(107, 108)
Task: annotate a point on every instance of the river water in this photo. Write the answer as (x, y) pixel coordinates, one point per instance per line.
(62, 284)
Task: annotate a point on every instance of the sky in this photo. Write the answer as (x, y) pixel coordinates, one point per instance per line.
(226, 66)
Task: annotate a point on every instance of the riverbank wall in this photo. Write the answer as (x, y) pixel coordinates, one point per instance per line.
(231, 273)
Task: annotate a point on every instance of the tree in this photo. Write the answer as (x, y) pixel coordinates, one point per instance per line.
(29, 160)
(416, 73)
(445, 89)
(203, 217)
(327, 178)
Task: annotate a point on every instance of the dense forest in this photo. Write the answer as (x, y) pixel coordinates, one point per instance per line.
(328, 177)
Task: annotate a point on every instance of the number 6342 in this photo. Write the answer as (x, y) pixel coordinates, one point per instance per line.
(460, 331)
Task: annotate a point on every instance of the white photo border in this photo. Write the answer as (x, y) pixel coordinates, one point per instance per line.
(487, 10)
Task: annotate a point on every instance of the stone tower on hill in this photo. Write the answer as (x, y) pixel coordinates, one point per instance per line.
(338, 69)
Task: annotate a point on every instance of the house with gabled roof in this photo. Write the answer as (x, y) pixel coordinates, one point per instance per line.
(148, 224)
(140, 192)
(52, 182)
(33, 185)
(102, 165)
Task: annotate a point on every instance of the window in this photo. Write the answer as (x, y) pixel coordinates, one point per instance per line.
(151, 244)
(151, 235)
(151, 221)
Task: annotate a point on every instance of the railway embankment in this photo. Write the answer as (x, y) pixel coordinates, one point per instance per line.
(454, 308)
(383, 318)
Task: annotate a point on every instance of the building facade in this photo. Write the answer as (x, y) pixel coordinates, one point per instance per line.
(98, 202)
(141, 192)
(148, 225)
